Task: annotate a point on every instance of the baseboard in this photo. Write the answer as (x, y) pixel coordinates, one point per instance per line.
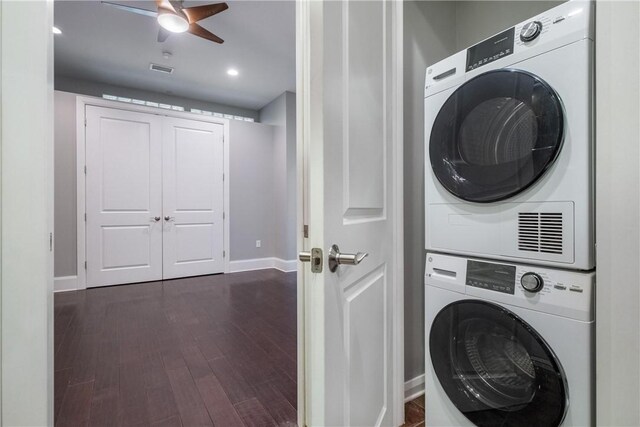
(285, 265)
(261, 264)
(414, 388)
(65, 283)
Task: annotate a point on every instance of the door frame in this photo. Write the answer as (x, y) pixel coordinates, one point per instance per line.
(307, 69)
(81, 179)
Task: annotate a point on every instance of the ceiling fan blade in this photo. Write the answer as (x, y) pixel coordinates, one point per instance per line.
(198, 13)
(165, 5)
(197, 30)
(137, 10)
(163, 34)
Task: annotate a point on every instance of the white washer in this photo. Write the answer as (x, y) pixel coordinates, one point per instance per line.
(508, 144)
(499, 355)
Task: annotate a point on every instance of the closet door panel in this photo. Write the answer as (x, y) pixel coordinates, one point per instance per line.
(123, 196)
(192, 198)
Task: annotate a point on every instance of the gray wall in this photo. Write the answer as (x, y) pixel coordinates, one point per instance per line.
(252, 158)
(252, 191)
(281, 113)
(433, 31)
(91, 88)
(64, 203)
(429, 36)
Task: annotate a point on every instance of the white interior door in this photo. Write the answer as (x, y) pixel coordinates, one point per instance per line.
(123, 196)
(352, 135)
(193, 197)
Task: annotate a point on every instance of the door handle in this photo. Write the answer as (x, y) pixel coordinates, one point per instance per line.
(169, 218)
(155, 218)
(314, 257)
(336, 258)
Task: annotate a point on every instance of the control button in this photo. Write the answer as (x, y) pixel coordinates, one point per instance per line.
(572, 289)
(558, 19)
(530, 31)
(561, 287)
(531, 282)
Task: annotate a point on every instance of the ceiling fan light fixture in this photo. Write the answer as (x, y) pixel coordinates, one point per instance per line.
(173, 22)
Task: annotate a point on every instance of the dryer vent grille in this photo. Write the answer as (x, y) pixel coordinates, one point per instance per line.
(540, 232)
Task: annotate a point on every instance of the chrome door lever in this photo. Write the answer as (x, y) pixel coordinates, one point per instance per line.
(336, 258)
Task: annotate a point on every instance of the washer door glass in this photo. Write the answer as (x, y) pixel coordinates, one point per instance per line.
(495, 368)
(496, 135)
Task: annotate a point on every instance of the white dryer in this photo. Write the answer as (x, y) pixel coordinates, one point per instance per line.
(509, 144)
(508, 345)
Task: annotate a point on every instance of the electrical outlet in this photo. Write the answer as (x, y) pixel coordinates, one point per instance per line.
(258, 243)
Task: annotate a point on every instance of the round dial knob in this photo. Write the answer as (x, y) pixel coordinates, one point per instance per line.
(531, 282)
(530, 31)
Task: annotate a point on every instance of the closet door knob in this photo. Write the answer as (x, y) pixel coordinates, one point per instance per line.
(169, 218)
(156, 218)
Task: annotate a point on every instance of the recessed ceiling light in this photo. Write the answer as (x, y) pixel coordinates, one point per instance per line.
(232, 72)
(57, 30)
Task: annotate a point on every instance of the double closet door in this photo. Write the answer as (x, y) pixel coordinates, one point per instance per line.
(154, 197)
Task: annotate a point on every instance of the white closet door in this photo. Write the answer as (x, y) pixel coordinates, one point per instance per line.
(192, 198)
(123, 196)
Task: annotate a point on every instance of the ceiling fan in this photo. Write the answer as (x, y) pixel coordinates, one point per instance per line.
(173, 18)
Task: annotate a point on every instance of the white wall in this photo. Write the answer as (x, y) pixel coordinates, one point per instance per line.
(281, 113)
(618, 213)
(26, 263)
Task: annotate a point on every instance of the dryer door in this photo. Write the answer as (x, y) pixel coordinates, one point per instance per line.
(496, 135)
(495, 368)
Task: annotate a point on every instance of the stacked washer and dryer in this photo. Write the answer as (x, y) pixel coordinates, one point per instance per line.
(509, 282)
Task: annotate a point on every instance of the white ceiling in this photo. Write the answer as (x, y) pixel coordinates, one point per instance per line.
(104, 44)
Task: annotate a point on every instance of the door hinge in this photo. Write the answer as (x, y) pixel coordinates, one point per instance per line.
(85, 265)
(85, 169)
(224, 254)
(85, 122)
(223, 177)
(305, 230)
(85, 217)
(50, 242)
(224, 215)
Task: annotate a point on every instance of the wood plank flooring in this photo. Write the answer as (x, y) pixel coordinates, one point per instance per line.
(414, 413)
(212, 350)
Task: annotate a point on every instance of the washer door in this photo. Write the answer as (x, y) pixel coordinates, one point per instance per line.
(495, 368)
(496, 135)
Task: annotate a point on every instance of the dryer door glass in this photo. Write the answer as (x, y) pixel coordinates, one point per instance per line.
(496, 135)
(495, 368)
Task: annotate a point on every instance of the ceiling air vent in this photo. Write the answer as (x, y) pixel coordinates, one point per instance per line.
(160, 68)
(540, 232)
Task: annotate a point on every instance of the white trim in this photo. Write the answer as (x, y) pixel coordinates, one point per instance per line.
(65, 283)
(81, 103)
(398, 213)
(262, 264)
(414, 388)
(285, 265)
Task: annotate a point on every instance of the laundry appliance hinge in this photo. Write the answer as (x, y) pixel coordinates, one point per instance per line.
(305, 231)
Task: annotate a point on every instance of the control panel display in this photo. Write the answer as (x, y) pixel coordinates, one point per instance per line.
(494, 277)
(490, 50)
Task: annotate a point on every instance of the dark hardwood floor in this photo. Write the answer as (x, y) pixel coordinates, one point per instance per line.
(212, 350)
(414, 413)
